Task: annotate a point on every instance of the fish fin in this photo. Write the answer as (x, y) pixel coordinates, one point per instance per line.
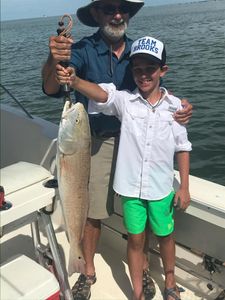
(76, 263)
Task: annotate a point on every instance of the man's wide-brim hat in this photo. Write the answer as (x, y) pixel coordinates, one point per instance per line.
(85, 16)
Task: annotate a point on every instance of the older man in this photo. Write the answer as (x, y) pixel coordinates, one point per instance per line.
(102, 57)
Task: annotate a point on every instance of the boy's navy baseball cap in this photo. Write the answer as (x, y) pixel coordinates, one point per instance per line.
(149, 46)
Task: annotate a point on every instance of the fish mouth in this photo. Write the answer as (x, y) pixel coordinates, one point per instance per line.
(74, 131)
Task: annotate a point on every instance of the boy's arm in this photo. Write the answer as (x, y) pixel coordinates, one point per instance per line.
(89, 89)
(182, 196)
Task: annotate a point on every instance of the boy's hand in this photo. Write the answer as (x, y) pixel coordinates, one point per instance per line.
(65, 75)
(182, 199)
(183, 116)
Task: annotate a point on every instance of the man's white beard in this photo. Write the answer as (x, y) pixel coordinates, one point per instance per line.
(114, 34)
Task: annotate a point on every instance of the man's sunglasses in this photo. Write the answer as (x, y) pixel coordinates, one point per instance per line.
(112, 9)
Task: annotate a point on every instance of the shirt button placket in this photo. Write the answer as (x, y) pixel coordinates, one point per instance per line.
(147, 155)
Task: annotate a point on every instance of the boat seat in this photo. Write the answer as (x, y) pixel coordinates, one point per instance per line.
(24, 185)
(24, 279)
(25, 188)
(21, 175)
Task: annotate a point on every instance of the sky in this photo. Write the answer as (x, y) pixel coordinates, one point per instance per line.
(20, 9)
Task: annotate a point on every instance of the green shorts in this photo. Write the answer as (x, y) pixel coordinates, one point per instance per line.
(159, 213)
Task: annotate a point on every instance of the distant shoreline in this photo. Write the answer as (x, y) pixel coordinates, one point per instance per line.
(73, 13)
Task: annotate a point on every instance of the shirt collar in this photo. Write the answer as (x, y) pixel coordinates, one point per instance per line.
(166, 96)
(136, 95)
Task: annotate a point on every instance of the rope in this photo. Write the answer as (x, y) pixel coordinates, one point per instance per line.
(65, 31)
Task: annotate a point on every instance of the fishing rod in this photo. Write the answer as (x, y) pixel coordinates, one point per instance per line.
(17, 101)
(65, 31)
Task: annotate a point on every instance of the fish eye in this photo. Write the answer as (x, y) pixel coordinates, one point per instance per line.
(77, 121)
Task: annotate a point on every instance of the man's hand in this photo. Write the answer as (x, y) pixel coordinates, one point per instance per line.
(183, 116)
(60, 48)
(60, 51)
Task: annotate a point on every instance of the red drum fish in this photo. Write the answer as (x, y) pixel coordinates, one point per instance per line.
(73, 171)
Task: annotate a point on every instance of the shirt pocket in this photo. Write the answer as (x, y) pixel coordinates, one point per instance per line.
(165, 124)
(135, 120)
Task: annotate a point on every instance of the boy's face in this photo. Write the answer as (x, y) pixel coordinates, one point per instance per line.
(147, 74)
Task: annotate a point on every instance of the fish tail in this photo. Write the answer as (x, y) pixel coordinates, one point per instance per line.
(76, 263)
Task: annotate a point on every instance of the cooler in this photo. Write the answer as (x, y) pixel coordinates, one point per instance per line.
(24, 279)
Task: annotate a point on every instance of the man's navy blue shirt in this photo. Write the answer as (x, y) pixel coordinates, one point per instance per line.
(95, 62)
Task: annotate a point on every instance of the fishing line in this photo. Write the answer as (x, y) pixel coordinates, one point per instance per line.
(17, 101)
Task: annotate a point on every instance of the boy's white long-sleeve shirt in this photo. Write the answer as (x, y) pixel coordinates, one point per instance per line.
(148, 140)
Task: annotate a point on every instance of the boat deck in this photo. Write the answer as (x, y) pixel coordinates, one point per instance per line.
(113, 282)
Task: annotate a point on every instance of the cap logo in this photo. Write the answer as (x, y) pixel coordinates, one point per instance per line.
(148, 45)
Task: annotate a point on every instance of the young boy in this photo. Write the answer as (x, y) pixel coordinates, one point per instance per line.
(148, 141)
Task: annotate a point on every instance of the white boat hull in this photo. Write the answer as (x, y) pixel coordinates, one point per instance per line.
(200, 230)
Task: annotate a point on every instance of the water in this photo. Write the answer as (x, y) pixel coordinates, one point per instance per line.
(195, 37)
